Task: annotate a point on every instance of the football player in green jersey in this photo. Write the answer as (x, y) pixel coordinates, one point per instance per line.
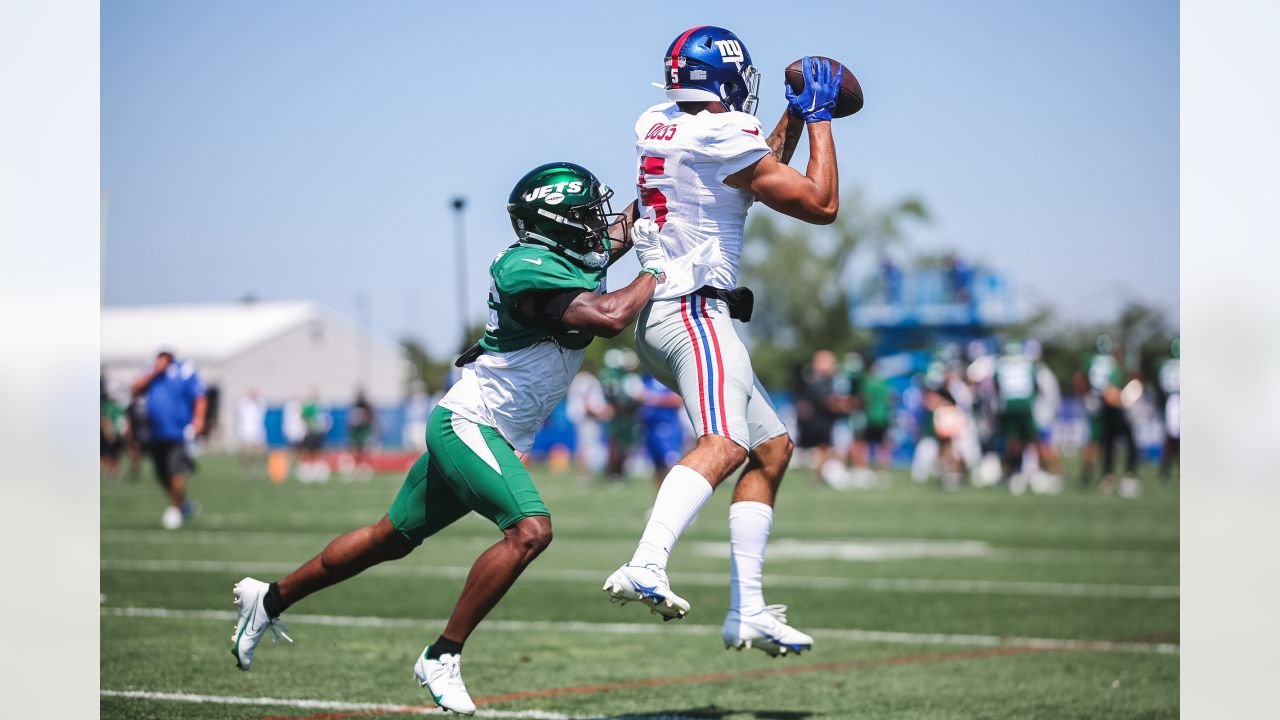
(547, 301)
(1107, 421)
(1015, 381)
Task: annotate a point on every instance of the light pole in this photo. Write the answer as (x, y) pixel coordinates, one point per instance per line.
(364, 310)
(459, 204)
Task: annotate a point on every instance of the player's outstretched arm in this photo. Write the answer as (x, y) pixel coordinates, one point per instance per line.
(785, 137)
(813, 197)
(606, 315)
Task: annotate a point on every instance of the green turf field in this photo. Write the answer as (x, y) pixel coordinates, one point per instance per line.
(923, 604)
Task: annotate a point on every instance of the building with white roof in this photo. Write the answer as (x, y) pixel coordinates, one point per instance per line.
(284, 350)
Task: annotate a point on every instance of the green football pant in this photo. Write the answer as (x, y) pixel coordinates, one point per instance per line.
(466, 467)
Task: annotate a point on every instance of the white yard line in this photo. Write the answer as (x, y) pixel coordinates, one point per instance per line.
(873, 636)
(314, 540)
(917, 585)
(308, 704)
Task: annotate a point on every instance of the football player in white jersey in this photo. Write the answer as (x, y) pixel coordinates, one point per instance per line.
(703, 159)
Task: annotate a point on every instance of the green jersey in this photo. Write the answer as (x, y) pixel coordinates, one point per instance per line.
(522, 269)
(526, 368)
(1170, 376)
(1103, 372)
(875, 399)
(114, 414)
(1016, 380)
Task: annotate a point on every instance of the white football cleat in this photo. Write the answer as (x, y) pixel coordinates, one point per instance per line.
(172, 518)
(767, 631)
(1130, 487)
(647, 584)
(443, 679)
(252, 621)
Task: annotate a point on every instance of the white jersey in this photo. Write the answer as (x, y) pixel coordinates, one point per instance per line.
(682, 163)
(515, 391)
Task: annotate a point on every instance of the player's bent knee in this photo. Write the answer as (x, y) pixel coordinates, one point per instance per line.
(781, 449)
(390, 541)
(533, 533)
(728, 453)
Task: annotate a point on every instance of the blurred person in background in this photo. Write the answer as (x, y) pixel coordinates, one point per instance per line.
(137, 432)
(1170, 383)
(623, 387)
(965, 443)
(875, 400)
(1017, 392)
(176, 408)
(362, 427)
(1109, 421)
(588, 410)
(1045, 409)
(251, 434)
(959, 278)
(112, 427)
(293, 427)
(315, 417)
(941, 425)
(891, 282)
(980, 378)
(817, 405)
(417, 408)
(662, 421)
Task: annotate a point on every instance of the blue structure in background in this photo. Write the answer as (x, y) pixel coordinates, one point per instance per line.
(912, 313)
(920, 309)
(390, 427)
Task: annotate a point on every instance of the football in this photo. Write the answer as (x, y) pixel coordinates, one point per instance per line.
(848, 102)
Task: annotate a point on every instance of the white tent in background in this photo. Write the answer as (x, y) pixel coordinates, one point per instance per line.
(283, 350)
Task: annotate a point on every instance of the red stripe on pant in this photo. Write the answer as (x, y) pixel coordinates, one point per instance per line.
(697, 355)
(715, 341)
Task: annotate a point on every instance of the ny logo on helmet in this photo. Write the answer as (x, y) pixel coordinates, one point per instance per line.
(730, 51)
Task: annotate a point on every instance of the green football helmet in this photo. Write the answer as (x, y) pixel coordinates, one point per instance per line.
(565, 207)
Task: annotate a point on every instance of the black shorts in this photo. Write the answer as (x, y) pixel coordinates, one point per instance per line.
(170, 458)
(313, 442)
(815, 432)
(109, 449)
(874, 434)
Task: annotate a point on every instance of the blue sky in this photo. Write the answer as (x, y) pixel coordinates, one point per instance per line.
(309, 149)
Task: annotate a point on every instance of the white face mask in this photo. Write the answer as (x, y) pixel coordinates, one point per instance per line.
(751, 76)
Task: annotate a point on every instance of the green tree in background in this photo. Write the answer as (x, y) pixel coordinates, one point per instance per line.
(800, 277)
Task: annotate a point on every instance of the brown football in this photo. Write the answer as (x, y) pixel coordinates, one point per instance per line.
(848, 102)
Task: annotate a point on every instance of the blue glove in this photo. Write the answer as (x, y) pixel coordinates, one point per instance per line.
(818, 98)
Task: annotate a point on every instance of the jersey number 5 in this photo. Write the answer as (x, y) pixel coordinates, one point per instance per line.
(652, 197)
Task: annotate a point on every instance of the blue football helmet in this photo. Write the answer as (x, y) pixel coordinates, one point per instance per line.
(709, 64)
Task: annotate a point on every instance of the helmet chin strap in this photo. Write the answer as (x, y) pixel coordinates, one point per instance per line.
(595, 260)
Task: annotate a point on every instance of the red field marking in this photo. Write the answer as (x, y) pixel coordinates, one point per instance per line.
(699, 679)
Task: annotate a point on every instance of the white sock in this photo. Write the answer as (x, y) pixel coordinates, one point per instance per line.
(749, 524)
(681, 496)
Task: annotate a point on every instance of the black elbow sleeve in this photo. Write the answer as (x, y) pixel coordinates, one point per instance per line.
(547, 307)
